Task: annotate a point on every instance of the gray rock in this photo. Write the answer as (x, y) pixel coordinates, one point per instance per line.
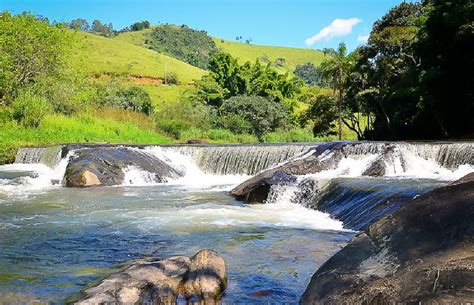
(104, 166)
(323, 157)
(423, 253)
(201, 278)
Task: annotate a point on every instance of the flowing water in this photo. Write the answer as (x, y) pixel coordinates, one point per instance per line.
(55, 240)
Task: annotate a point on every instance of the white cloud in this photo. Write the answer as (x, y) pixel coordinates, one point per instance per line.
(337, 28)
(363, 38)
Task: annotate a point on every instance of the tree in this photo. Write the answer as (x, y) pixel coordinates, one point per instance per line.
(79, 25)
(138, 26)
(387, 76)
(323, 113)
(309, 74)
(106, 30)
(262, 114)
(30, 52)
(446, 45)
(336, 69)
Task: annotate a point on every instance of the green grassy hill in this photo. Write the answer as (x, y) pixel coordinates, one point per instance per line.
(97, 54)
(248, 52)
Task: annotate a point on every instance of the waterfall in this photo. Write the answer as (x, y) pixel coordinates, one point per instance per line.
(50, 156)
(239, 159)
(446, 154)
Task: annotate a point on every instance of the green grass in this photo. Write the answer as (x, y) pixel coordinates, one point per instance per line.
(96, 54)
(249, 52)
(137, 38)
(57, 129)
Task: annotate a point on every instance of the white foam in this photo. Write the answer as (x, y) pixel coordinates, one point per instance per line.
(44, 177)
(193, 177)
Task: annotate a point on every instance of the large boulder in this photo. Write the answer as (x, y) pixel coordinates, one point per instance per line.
(105, 166)
(322, 157)
(421, 254)
(200, 279)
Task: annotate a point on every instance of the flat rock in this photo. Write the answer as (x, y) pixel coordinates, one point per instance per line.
(200, 279)
(422, 253)
(105, 166)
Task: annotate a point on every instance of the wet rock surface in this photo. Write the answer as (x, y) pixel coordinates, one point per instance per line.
(422, 253)
(322, 157)
(105, 165)
(200, 279)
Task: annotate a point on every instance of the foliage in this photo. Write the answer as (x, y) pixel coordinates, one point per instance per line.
(171, 78)
(269, 54)
(446, 47)
(30, 50)
(79, 25)
(181, 42)
(106, 30)
(228, 78)
(293, 135)
(386, 75)
(309, 74)
(175, 118)
(323, 113)
(134, 98)
(138, 26)
(29, 109)
(263, 114)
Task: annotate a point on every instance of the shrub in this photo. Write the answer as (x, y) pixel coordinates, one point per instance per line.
(309, 73)
(132, 98)
(263, 114)
(172, 78)
(234, 123)
(294, 135)
(29, 109)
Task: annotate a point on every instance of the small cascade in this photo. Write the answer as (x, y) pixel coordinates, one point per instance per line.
(50, 156)
(448, 155)
(239, 159)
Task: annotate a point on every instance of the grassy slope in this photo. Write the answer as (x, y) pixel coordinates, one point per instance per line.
(96, 54)
(248, 52)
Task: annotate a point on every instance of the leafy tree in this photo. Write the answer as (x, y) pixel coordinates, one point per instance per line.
(388, 71)
(336, 69)
(138, 26)
(263, 114)
(322, 112)
(79, 25)
(30, 51)
(309, 73)
(186, 44)
(446, 46)
(106, 30)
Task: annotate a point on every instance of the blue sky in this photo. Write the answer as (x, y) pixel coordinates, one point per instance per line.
(295, 23)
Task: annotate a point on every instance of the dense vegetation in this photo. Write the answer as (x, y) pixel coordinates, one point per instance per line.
(181, 42)
(413, 79)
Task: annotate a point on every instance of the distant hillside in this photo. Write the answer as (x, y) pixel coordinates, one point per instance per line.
(247, 52)
(97, 54)
(292, 56)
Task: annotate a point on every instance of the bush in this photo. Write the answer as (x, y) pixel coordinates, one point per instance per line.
(29, 109)
(309, 73)
(174, 127)
(132, 98)
(263, 114)
(171, 78)
(234, 123)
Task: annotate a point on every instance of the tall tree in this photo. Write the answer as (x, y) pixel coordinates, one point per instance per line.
(336, 69)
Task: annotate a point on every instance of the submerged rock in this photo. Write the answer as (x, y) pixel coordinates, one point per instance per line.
(423, 253)
(105, 165)
(322, 157)
(378, 167)
(200, 279)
